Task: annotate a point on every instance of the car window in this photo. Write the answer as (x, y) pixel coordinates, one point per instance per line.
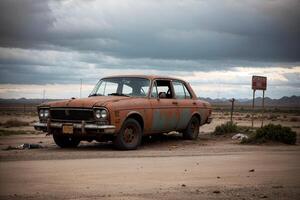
(179, 90)
(162, 89)
(187, 93)
(108, 87)
(122, 86)
(127, 90)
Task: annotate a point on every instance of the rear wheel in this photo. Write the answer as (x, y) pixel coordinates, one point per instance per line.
(130, 135)
(65, 141)
(192, 130)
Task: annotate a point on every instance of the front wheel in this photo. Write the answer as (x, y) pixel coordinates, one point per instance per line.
(130, 135)
(65, 141)
(192, 130)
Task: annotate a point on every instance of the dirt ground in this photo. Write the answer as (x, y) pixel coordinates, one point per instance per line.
(164, 167)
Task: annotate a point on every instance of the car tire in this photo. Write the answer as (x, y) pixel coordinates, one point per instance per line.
(130, 135)
(192, 130)
(65, 141)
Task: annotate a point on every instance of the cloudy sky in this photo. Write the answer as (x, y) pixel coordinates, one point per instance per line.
(215, 45)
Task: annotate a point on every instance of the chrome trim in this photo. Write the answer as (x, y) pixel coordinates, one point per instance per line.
(106, 128)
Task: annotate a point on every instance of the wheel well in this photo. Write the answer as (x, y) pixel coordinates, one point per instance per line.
(138, 118)
(198, 116)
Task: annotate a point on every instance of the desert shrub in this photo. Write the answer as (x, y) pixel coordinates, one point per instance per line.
(228, 127)
(14, 123)
(248, 116)
(273, 132)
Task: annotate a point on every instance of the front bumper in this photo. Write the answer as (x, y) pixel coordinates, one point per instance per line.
(82, 127)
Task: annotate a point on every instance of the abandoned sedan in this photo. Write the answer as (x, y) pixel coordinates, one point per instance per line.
(122, 109)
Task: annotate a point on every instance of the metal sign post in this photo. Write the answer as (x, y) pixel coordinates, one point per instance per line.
(232, 107)
(259, 83)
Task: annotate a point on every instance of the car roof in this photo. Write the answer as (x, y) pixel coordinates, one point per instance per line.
(151, 77)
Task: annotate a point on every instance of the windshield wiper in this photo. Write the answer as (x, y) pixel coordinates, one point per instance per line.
(94, 95)
(118, 94)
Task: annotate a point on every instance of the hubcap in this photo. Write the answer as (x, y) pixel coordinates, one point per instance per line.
(129, 135)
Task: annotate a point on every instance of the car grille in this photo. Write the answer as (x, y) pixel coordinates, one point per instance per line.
(71, 115)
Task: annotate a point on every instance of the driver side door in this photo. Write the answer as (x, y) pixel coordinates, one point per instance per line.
(164, 107)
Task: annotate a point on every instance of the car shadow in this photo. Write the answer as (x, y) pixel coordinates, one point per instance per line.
(148, 142)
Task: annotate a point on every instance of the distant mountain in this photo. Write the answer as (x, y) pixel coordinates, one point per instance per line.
(293, 101)
(25, 101)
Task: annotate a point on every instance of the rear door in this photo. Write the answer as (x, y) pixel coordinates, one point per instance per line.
(186, 104)
(164, 107)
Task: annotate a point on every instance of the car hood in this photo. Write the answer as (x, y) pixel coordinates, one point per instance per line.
(85, 102)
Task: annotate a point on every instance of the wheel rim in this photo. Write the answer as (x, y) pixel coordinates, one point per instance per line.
(130, 135)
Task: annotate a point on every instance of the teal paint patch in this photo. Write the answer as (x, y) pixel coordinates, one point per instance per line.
(161, 121)
(184, 118)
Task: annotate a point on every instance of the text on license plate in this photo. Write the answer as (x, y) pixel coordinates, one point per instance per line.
(68, 129)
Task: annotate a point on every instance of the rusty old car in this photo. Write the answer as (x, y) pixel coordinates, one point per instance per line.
(123, 109)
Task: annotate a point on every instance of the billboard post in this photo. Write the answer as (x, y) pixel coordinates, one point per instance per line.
(259, 83)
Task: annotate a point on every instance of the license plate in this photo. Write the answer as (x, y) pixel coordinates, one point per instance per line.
(67, 129)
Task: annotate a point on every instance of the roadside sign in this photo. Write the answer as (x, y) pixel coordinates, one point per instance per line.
(259, 83)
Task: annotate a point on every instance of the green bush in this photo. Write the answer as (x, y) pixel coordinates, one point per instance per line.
(275, 133)
(228, 127)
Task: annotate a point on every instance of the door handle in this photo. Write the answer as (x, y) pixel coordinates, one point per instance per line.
(175, 102)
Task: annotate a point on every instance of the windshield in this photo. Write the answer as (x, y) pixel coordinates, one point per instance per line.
(122, 86)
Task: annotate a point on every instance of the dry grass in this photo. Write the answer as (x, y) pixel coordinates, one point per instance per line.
(14, 123)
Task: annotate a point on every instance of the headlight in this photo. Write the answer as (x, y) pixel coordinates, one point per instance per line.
(41, 113)
(98, 114)
(101, 114)
(44, 113)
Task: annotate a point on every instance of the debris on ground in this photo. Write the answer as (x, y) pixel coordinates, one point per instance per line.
(218, 177)
(183, 185)
(240, 137)
(263, 196)
(24, 146)
(216, 191)
(252, 170)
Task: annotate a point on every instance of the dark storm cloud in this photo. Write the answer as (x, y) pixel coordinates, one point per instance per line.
(245, 30)
(63, 41)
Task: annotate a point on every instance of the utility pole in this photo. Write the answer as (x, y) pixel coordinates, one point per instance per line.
(232, 108)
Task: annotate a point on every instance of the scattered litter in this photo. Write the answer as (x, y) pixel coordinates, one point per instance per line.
(252, 170)
(216, 192)
(263, 196)
(30, 146)
(239, 136)
(183, 185)
(24, 146)
(218, 177)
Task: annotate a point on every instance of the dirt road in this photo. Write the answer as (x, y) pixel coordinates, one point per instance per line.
(170, 168)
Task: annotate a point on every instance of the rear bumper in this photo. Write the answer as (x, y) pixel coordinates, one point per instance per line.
(82, 127)
(209, 119)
